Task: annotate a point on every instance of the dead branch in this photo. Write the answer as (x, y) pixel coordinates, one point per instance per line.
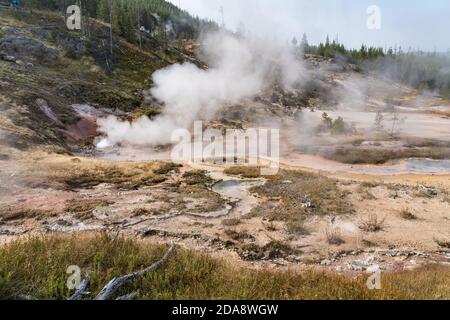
(117, 283)
(81, 291)
(130, 296)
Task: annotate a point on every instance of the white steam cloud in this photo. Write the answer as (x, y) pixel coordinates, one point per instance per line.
(239, 68)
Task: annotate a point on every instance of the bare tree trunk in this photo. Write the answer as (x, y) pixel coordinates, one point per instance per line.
(139, 25)
(85, 18)
(80, 4)
(65, 10)
(111, 44)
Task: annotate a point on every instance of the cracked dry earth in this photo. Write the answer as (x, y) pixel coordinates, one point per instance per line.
(204, 208)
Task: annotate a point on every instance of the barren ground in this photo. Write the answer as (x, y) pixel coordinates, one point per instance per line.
(233, 217)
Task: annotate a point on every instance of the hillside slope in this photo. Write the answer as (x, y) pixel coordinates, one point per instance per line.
(44, 69)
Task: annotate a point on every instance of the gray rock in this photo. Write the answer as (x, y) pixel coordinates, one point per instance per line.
(9, 58)
(326, 262)
(45, 108)
(27, 47)
(373, 268)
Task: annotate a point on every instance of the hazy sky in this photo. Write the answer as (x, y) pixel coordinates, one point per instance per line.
(409, 23)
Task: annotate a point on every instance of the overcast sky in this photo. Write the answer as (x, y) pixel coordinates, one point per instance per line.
(407, 23)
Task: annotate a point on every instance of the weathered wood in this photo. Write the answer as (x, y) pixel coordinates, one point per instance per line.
(81, 291)
(117, 283)
(129, 296)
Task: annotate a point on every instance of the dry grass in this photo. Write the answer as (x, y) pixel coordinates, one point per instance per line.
(139, 212)
(125, 175)
(365, 193)
(231, 222)
(292, 195)
(238, 235)
(425, 192)
(248, 172)
(371, 224)
(369, 184)
(197, 185)
(209, 201)
(270, 226)
(37, 267)
(272, 250)
(83, 209)
(407, 214)
(59, 172)
(197, 177)
(381, 156)
(444, 114)
(443, 242)
(334, 236)
(10, 214)
(151, 113)
(297, 226)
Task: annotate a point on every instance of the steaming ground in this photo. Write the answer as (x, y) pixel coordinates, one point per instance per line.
(234, 214)
(252, 84)
(238, 68)
(421, 129)
(348, 199)
(83, 151)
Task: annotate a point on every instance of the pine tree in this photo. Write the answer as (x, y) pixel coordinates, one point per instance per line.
(304, 45)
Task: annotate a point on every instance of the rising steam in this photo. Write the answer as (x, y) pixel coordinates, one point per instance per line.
(238, 68)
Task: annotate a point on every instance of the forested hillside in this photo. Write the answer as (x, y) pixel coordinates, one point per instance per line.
(416, 68)
(41, 60)
(157, 17)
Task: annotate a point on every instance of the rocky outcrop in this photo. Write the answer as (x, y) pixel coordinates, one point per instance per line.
(14, 46)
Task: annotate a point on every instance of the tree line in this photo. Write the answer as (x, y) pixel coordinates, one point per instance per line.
(130, 17)
(425, 71)
(335, 49)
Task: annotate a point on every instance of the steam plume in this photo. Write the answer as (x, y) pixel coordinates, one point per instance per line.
(238, 68)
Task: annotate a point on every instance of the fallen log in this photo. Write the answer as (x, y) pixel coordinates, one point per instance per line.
(81, 291)
(117, 283)
(129, 296)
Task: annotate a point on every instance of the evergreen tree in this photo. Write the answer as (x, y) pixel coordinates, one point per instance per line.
(304, 45)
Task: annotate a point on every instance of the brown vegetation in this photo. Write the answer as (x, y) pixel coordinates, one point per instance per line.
(292, 195)
(37, 267)
(371, 224)
(248, 172)
(381, 156)
(406, 214)
(334, 236)
(83, 209)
